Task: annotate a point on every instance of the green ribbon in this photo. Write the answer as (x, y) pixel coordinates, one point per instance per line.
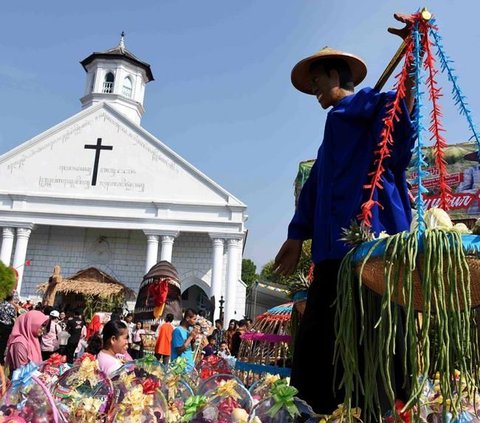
(148, 359)
(192, 406)
(178, 366)
(283, 397)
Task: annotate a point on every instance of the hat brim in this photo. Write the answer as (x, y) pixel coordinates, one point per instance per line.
(473, 156)
(301, 78)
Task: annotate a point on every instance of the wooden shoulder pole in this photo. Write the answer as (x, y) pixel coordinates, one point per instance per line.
(397, 57)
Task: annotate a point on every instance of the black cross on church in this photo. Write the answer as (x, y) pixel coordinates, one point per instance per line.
(97, 147)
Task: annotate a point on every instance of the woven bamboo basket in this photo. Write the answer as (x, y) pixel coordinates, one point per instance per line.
(269, 355)
(373, 275)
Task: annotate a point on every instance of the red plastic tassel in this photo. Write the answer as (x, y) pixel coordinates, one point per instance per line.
(436, 127)
(386, 138)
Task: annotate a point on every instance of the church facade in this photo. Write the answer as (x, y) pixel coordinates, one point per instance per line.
(98, 190)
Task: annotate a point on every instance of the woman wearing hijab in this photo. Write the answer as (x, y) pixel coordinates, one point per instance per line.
(23, 344)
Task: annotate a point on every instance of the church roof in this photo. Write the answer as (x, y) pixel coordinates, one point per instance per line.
(137, 149)
(91, 281)
(119, 52)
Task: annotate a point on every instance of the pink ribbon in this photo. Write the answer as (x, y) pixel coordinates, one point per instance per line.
(256, 336)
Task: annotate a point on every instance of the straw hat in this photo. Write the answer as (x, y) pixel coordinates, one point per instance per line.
(301, 71)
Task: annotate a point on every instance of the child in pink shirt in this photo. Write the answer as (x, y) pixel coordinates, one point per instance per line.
(115, 343)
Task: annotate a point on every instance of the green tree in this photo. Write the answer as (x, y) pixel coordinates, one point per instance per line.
(7, 280)
(249, 272)
(268, 274)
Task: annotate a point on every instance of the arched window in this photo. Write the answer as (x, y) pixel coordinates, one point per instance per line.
(108, 83)
(127, 87)
(92, 82)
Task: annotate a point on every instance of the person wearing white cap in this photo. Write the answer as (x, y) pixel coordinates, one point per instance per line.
(333, 196)
(49, 343)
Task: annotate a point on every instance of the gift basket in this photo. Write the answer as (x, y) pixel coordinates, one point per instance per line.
(53, 368)
(84, 393)
(176, 389)
(265, 348)
(149, 365)
(27, 399)
(213, 381)
(433, 268)
(179, 368)
(281, 405)
(149, 341)
(138, 399)
(146, 367)
(137, 391)
(212, 365)
(225, 395)
(262, 388)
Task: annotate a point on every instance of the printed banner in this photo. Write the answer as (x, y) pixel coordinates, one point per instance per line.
(463, 178)
(463, 169)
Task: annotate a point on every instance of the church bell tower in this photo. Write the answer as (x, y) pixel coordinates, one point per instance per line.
(118, 78)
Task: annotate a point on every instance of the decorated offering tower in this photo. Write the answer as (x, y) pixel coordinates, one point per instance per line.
(159, 294)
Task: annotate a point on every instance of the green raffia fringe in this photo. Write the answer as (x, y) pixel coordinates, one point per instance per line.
(366, 328)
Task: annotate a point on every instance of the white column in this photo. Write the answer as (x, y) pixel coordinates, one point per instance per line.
(167, 240)
(7, 245)
(152, 252)
(233, 255)
(23, 235)
(217, 270)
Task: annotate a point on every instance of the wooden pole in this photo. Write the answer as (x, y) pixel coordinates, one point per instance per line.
(397, 57)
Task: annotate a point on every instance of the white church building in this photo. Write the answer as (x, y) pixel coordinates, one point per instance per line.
(98, 190)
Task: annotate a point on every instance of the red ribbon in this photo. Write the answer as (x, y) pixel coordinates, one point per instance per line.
(86, 355)
(56, 360)
(150, 386)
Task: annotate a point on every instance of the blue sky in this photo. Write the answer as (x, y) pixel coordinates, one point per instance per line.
(222, 97)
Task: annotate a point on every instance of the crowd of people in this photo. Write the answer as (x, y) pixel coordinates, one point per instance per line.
(35, 334)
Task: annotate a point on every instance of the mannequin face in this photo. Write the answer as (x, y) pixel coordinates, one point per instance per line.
(325, 86)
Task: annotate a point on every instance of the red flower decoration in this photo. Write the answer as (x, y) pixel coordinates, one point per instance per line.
(56, 360)
(150, 386)
(86, 355)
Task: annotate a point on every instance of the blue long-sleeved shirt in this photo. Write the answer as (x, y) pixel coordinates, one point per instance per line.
(334, 191)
